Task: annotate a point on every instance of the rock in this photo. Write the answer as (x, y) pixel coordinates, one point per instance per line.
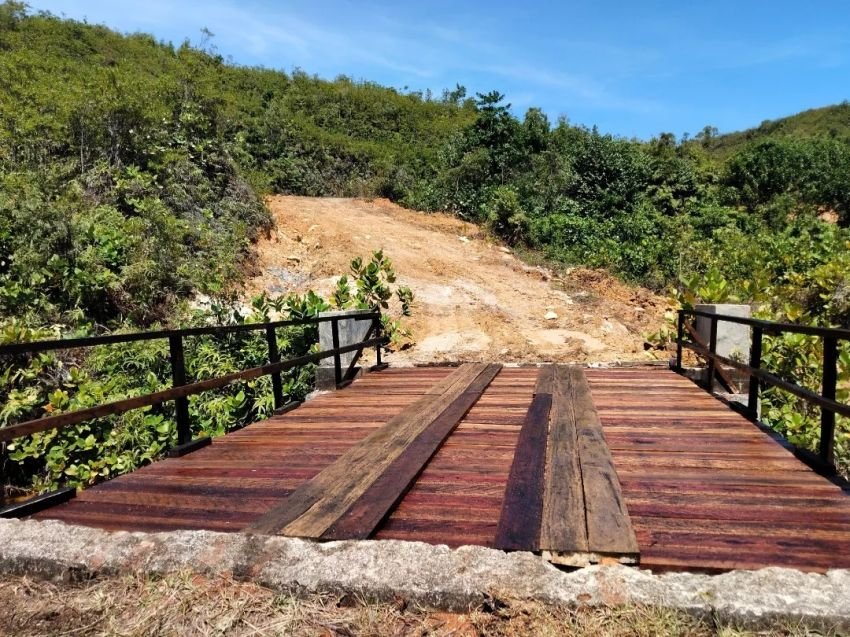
(463, 239)
(505, 250)
(613, 326)
(293, 257)
(550, 315)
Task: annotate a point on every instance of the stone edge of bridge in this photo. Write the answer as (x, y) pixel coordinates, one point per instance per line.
(437, 576)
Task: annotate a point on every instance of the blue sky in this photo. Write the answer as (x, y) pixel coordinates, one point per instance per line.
(633, 68)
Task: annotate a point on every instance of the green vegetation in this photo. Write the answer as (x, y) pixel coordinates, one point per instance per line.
(828, 121)
(130, 170)
(132, 174)
(98, 449)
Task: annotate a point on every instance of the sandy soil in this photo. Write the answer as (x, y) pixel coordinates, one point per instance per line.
(475, 300)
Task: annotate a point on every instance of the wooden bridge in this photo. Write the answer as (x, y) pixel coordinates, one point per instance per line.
(583, 465)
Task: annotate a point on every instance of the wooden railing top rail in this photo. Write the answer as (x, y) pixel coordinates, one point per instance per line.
(182, 391)
(90, 341)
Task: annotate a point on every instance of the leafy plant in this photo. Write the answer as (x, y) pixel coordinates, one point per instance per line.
(33, 386)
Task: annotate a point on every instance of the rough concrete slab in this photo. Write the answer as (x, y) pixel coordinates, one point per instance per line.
(454, 579)
(351, 330)
(733, 339)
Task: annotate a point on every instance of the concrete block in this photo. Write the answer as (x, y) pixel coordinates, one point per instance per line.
(351, 330)
(733, 339)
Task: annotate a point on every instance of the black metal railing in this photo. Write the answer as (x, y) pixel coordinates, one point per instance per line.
(180, 389)
(825, 399)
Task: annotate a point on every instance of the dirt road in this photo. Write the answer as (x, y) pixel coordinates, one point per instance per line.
(474, 299)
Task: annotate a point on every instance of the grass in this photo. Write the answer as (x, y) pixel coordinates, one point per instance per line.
(187, 604)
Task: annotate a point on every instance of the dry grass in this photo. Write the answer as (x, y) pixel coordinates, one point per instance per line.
(191, 605)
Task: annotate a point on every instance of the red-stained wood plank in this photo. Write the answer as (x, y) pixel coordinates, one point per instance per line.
(708, 490)
(282, 453)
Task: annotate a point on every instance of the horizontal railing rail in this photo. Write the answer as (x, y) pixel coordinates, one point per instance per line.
(181, 389)
(33, 347)
(825, 400)
(775, 327)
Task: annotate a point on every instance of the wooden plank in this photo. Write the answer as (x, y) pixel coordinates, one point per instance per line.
(609, 530)
(564, 528)
(522, 509)
(314, 506)
(366, 513)
(545, 383)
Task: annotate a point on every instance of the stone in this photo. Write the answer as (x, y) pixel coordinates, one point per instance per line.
(450, 579)
(550, 315)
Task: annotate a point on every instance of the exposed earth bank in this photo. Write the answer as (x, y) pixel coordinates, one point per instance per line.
(475, 300)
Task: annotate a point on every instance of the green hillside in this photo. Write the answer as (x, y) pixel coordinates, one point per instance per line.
(828, 121)
(131, 170)
(132, 173)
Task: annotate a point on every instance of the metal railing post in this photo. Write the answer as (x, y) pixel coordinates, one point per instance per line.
(827, 416)
(712, 349)
(680, 336)
(755, 363)
(337, 358)
(274, 357)
(377, 330)
(178, 378)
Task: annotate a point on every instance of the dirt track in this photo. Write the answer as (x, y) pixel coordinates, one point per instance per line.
(474, 299)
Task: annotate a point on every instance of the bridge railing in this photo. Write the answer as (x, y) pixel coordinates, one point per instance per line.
(181, 389)
(825, 399)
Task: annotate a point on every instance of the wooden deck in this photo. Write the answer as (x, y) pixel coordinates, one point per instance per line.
(702, 487)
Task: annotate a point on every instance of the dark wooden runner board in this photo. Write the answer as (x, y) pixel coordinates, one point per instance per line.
(564, 525)
(370, 509)
(609, 529)
(563, 495)
(546, 379)
(522, 509)
(314, 506)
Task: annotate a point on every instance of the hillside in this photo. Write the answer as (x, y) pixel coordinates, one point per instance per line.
(475, 300)
(828, 121)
